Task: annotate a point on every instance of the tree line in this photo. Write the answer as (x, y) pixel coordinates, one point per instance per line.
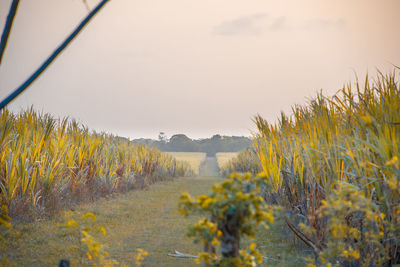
(182, 143)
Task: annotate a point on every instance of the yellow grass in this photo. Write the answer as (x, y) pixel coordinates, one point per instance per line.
(194, 159)
(224, 157)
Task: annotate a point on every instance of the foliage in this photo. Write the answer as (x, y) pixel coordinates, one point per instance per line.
(86, 229)
(210, 146)
(355, 228)
(234, 209)
(49, 163)
(193, 159)
(245, 161)
(351, 138)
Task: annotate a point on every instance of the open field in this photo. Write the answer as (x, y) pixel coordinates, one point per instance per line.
(193, 158)
(224, 157)
(145, 219)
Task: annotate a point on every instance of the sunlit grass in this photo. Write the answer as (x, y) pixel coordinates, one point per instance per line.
(194, 159)
(47, 164)
(224, 157)
(146, 219)
(242, 162)
(351, 138)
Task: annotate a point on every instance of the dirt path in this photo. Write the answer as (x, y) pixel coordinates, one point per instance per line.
(145, 219)
(209, 167)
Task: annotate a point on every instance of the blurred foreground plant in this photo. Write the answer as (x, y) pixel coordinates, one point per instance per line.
(232, 209)
(86, 229)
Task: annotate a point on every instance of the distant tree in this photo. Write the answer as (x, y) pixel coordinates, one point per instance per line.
(162, 137)
(180, 142)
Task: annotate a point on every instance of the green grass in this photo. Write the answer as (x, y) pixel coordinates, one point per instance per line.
(193, 158)
(145, 219)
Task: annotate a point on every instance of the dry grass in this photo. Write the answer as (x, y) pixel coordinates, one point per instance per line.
(224, 157)
(48, 164)
(193, 158)
(334, 164)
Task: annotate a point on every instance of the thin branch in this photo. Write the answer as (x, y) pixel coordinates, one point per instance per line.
(7, 27)
(302, 237)
(53, 56)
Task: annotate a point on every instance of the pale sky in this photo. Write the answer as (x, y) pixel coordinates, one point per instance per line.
(195, 67)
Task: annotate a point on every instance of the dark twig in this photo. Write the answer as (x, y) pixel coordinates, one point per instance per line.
(51, 58)
(7, 27)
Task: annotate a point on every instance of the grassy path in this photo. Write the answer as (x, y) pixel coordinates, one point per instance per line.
(145, 219)
(209, 167)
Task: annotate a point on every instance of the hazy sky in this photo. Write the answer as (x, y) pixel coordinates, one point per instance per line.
(198, 67)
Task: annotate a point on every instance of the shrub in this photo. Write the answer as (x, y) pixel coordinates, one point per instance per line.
(232, 209)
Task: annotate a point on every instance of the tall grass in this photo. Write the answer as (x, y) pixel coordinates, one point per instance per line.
(245, 161)
(351, 139)
(47, 163)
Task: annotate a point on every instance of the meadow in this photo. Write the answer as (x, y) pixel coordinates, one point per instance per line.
(224, 157)
(145, 219)
(194, 159)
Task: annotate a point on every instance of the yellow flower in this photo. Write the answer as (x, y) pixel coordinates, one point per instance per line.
(355, 254)
(392, 161)
(90, 215)
(72, 224)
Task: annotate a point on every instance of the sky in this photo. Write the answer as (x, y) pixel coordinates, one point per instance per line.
(194, 67)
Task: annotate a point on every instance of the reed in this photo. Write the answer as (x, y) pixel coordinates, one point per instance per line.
(352, 138)
(47, 164)
(245, 161)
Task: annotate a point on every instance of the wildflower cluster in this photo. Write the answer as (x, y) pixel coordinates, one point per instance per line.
(354, 230)
(86, 229)
(234, 209)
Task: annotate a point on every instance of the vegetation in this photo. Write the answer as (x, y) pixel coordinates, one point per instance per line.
(48, 163)
(194, 159)
(334, 165)
(245, 161)
(224, 157)
(145, 219)
(232, 209)
(211, 146)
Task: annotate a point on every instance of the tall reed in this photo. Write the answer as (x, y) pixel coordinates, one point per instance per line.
(48, 163)
(352, 138)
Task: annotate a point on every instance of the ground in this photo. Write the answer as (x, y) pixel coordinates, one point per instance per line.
(146, 219)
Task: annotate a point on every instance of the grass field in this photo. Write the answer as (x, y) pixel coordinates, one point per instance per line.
(145, 219)
(224, 157)
(193, 158)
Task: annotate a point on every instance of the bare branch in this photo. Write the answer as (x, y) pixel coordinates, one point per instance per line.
(53, 56)
(7, 27)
